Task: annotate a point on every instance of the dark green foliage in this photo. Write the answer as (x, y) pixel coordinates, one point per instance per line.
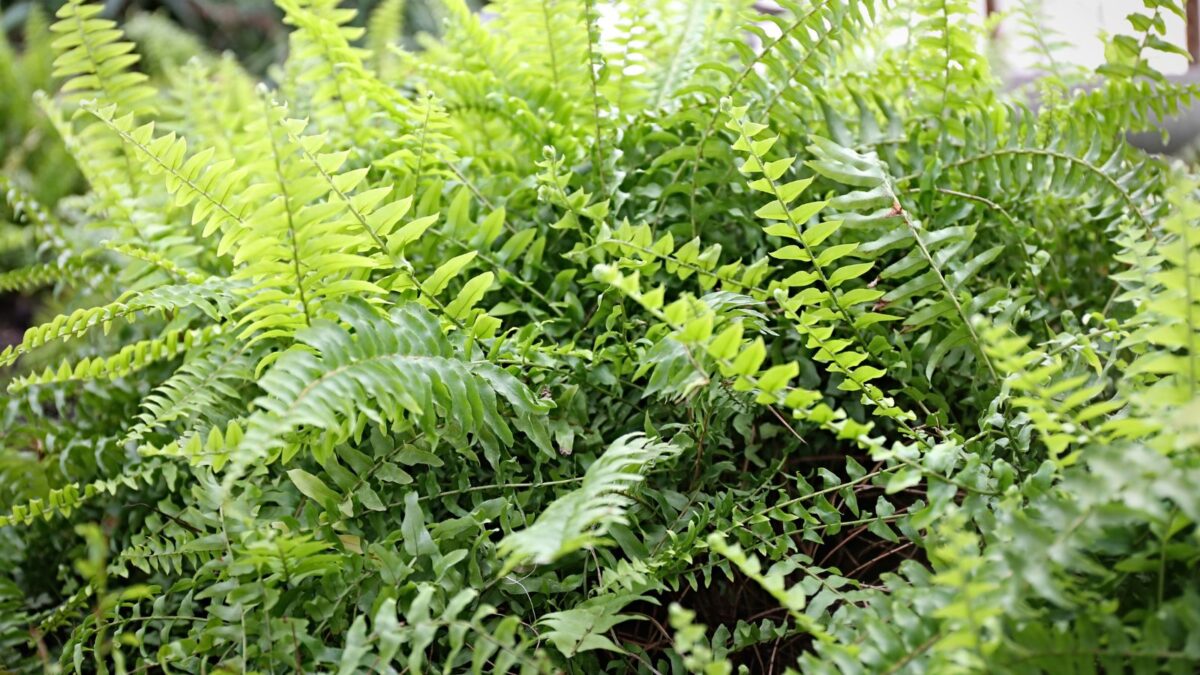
(596, 337)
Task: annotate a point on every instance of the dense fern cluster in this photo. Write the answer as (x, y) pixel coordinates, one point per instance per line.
(597, 336)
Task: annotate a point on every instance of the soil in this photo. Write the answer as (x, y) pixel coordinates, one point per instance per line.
(16, 314)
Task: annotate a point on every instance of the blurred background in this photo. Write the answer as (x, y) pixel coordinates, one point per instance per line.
(253, 31)
(1078, 23)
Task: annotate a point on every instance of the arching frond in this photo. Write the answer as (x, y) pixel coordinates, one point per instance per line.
(211, 298)
(580, 518)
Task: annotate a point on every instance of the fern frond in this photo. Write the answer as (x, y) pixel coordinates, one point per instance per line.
(837, 163)
(67, 499)
(821, 297)
(202, 390)
(1060, 401)
(929, 348)
(102, 160)
(44, 224)
(322, 48)
(211, 102)
(298, 249)
(157, 260)
(167, 553)
(686, 46)
(677, 363)
(212, 298)
(1173, 335)
(27, 145)
(9, 81)
(384, 28)
(35, 276)
(470, 96)
(201, 446)
(806, 39)
(559, 53)
(651, 49)
(97, 61)
(1136, 105)
(580, 518)
(210, 186)
(512, 77)
(403, 364)
(773, 582)
(947, 64)
(641, 251)
(164, 44)
(99, 66)
(130, 359)
(1045, 43)
(801, 51)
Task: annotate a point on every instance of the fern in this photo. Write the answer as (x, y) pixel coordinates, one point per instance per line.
(325, 373)
(322, 45)
(579, 519)
(409, 370)
(1170, 357)
(819, 301)
(28, 278)
(210, 298)
(99, 65)
(1044, 42)
(1061, 404)
(383, 29)
(197, 390)
(130, 359)
(97, 61)
(808, 36)
(948, 66)
(190, 179)
(63, 501)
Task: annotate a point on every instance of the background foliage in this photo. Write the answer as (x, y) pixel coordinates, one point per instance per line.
(596, 337)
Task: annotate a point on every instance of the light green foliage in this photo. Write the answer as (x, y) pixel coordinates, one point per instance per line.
(597, 336)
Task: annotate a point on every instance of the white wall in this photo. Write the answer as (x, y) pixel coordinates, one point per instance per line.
(1079, 22)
